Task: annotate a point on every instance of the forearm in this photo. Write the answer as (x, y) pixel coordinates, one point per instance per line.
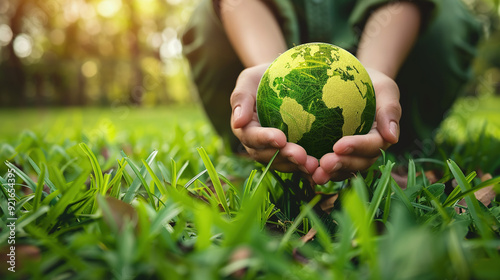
(253, 31)
(388, 37)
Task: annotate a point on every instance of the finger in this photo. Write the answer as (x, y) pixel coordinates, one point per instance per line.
(256, 137)
(244, 94)
(295, 153)
(320, 177)
(263, 155)
(333, 163)
(367, 145)
(298, 156)
(388, 111)
(243, 109)
(281, 163)
(311, 165)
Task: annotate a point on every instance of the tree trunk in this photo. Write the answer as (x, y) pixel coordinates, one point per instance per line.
(15, 76)
(136, 88)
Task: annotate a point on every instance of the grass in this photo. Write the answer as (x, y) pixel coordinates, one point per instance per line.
(155, 195)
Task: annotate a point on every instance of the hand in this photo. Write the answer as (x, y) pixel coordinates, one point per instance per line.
(260, 142)
(359, 152)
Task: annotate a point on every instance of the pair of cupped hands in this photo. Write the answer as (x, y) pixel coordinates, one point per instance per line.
(349, 155)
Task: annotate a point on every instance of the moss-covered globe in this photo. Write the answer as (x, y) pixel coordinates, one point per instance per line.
(316, 93)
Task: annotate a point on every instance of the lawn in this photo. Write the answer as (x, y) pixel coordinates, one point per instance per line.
(151, 193)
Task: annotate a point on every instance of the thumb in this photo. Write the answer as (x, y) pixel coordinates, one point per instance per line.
(388, 112)
(387, 117)
(244, 94)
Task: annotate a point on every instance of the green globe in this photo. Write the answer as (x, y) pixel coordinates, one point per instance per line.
(316, 93)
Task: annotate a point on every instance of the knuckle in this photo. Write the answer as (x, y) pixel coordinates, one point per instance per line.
(393, 108)
(236, 97)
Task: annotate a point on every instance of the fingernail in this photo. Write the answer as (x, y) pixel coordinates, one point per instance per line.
(237, 112)
(393, 128)
(348, 150)
(303, 169)
(276, 144)
(337, 167)
(323, 182)
(292, 160)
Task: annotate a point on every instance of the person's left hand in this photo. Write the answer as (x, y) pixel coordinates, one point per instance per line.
(358, 152)
(261, 143)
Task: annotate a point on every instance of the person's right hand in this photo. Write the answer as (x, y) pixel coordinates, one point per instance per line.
(260, 142)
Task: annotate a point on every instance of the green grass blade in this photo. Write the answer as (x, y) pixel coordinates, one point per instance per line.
(264, 173)
(22, 175)
(182, 169)
(39, 188)
(324, 237)
(412, 174)
(95, 166)
(472, 202)
(458, 195)
(298, 220)
(29, 218)
(166, 214)
(157, 181)
(232, 187)
(51, 185)
(248, 184)
(195, 178)
(381, 190)
(118, 176)
(403, 197)
(173, 173)
(64, 201)
(450, 200)
(136, 183)
(361, 218)
(435, 202)
(140, 178)
(215, 180)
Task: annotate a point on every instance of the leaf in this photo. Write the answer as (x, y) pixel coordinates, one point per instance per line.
(51, 186)
(39, 188)
(457, 195)
(435, 202)
(215, 180)
(117, 213)
(412, 178)
(22, 175)
(157, 181)
(381, 190)
(487, 194)
(136, 183)
(470, 199)
(195, 178)
(95, 166)
(297, 221)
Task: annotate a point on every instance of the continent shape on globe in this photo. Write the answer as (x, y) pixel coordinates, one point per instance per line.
(316, 93)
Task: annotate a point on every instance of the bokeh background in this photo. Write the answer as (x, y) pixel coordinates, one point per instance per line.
(111, 52)
(93, 52)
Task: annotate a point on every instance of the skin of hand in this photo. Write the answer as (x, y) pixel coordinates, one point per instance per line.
(359, 152)
(351, 153)
(256, 37)
(262, 142)
(382, 53)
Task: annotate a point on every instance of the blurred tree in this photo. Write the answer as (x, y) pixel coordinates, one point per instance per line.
(92, 52)
(136, 94)
(13, 72)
